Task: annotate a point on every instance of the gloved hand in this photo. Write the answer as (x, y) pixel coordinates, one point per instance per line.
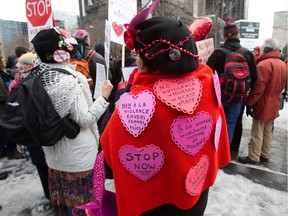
(249, 111)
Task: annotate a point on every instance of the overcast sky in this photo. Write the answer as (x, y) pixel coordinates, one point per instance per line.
(259, 10)
(263, 11)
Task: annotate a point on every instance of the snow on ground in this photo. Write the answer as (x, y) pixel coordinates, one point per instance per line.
(232, 195)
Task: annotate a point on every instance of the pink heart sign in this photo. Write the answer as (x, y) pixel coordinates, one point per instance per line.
(190, 134)
(118, 29)
(217, 87)
(217, 132)
(144, 162)
(135, 111)
(196, 176)
(182, 94)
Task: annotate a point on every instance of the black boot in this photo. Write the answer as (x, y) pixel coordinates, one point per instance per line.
(247, 160)
(3, 175)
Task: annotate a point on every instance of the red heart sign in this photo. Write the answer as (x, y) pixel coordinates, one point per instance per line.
(182, 94)
(196, 176)
(135, 111)
(118, 29)
(144, 162)
(191, 134)
(200, 28)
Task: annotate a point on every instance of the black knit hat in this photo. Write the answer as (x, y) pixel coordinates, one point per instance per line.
(230, 29)
(53, 45)
(166, 45)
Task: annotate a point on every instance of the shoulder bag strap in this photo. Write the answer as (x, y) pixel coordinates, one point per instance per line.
(89, 55)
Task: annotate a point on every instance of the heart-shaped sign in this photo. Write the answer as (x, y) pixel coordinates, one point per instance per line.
(144, 162)
(196, 176)
(217, 87)
(135, 111)
(182, 94)
(190, 134)
(117, 28)
(200, 28)
(217, 132)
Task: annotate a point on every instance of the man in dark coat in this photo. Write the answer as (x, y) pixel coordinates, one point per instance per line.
(7, 147)
(216, 61)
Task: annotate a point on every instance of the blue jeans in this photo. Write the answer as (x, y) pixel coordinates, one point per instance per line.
(232, 112)
(238, 130)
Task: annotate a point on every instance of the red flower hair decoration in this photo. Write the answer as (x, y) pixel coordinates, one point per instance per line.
(130, 34)
(129, 37)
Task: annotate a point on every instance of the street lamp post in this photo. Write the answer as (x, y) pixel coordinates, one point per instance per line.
(80, 13)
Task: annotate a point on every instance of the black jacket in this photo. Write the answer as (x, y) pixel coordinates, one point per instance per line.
(217, 59)
(3, 95)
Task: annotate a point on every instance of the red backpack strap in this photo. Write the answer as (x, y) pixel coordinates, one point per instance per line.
(89, 55)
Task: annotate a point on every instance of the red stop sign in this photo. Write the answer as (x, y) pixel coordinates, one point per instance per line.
(38, 11)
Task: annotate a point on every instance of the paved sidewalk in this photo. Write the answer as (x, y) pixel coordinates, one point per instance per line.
(274, 173)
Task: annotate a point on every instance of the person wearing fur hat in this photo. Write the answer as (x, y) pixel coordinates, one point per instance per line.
(23, 66)
(233, 111)
(25, 63)
(70, 161)
(171, 123)
(263, 102)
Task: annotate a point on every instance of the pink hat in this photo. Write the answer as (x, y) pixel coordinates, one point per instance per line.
(80, 34)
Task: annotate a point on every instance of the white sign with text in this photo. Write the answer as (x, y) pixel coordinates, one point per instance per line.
(119, 13)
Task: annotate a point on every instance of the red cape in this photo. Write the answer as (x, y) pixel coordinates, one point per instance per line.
(135, 196)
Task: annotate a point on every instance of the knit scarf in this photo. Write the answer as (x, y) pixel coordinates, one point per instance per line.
(64, 90)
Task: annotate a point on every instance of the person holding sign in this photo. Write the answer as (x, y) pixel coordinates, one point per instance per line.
(70, 160)
(167, 138)
(86, 52)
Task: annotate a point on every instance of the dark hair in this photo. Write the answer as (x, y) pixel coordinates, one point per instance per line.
(20, 50)
(99, 48)
(267, 49)
(166, 45)
(11, 61)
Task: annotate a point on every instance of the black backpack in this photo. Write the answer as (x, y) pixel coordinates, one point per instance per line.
(235, 80)
(30, 118)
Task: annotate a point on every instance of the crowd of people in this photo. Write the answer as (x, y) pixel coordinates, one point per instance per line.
(164, 135)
